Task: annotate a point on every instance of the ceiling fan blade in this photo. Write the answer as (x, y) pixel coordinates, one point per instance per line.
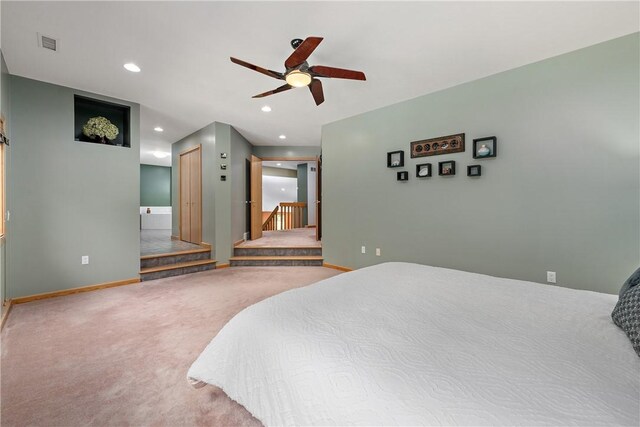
(269, 73)
(316, 90)
(336, 73)
(302, 52)
(271, 92)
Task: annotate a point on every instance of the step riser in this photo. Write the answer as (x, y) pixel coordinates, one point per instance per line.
(175, 272)
(276, 263)
(174, 259)
(277, 251)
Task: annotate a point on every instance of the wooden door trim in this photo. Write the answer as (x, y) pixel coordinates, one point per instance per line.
(187, 151)
(256, 193)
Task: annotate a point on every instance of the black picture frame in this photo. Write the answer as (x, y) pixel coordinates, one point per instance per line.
(474, 170)
(447, 168)
(402, 176)
(491, 142)
(395, 159)
(421, 167)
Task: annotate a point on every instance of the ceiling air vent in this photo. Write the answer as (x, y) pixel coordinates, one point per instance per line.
(46, 42)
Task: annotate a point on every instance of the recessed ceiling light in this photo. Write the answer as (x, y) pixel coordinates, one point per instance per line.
(282, 189)
(266, 108)
(130, 66)
(278, 164)
(158, 129)
(161, 154)
(283, 137)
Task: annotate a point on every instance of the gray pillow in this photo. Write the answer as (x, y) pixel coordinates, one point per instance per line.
(626, 315)
(632, 281)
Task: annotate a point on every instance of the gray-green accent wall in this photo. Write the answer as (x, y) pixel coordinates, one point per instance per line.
(302, 190)
(68, 199)
(275, 171)
(563, 194)
(5, 111)
(223, 207)
(155, 185)
(240, 153)
(285, 151)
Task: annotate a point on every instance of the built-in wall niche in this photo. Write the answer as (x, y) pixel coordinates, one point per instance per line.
(101, 119)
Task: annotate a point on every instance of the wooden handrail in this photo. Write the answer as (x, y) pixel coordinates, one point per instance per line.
(291, 214)
(271, 221)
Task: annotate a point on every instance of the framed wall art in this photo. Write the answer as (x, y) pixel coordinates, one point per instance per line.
(474, 170)
(436, 146)
(484, 148)
(423, 170)
(395, 159)
(447, 168)
(402, 176)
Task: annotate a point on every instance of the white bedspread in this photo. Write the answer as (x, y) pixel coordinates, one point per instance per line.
(406, 344)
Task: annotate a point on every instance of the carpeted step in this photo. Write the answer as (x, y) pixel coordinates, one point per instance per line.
(157, 260)
(281, 261)
(278, 251)
(178, 269)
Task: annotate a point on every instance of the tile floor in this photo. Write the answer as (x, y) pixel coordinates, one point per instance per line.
(159, 242)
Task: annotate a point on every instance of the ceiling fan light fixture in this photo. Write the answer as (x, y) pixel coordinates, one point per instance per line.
(297, 78)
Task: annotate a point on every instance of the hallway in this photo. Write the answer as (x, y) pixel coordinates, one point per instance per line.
(297, 237)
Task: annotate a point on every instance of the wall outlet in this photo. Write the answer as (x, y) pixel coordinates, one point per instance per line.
(377, 251)
(363, 250)
(85, 259)
(551, 277)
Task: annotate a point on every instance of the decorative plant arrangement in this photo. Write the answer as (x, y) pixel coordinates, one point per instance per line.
(101, 129)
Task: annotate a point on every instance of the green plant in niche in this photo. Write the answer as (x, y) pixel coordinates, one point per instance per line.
(101, 128)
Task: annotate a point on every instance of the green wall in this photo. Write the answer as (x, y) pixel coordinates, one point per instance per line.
(207, 138)
(155, 185)
(562, 195)
(285, 151)
(223, 215)
(240, 152)
(5, 110)
(68, 198)
(302, 190)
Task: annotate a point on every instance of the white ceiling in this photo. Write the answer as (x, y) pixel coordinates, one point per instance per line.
(187, 80)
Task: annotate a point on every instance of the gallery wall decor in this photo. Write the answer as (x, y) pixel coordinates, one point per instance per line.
(484, 148)
(402, 176)
(436, 146)
(447, 168)
(474, 170)
(423, 170)
(395, 159)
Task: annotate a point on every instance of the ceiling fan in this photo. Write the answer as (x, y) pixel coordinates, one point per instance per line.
(298, 72)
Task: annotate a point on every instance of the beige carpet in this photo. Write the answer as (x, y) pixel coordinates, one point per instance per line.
(120, 356)
(297, 237)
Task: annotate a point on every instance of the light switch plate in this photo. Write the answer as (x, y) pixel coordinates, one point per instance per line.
(85, 259)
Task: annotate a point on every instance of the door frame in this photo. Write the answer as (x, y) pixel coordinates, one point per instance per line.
(187, 151)
(256, 198)
(316, 159)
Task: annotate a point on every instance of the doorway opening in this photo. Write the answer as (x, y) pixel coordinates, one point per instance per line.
(284, 203)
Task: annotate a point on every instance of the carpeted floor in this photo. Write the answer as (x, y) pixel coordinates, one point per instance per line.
(120, 356)
(296, 237)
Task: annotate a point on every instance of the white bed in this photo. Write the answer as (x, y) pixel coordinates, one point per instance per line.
(407, 344)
